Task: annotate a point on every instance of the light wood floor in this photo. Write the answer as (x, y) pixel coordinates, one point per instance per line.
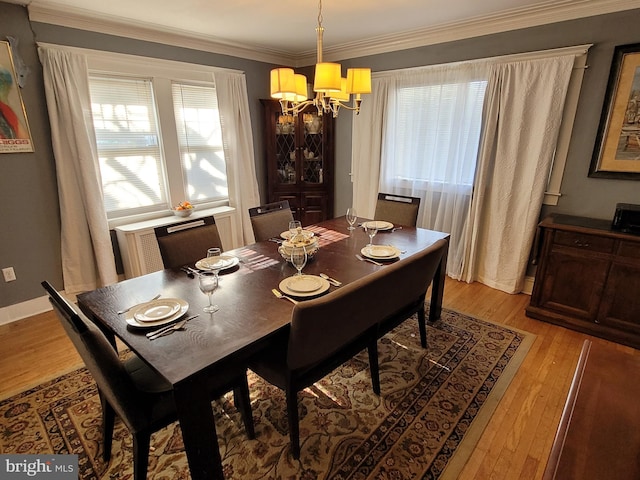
(516, 442)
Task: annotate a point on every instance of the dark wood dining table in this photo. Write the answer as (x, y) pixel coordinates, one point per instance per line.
(249, 314)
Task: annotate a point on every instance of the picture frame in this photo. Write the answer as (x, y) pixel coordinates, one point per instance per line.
(15, 135)
(617, 149)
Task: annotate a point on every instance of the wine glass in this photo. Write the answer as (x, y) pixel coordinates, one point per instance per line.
(352, 216)
(294, 227)
(299, 258)
(208, 282)
(371, 228)
(214, 252)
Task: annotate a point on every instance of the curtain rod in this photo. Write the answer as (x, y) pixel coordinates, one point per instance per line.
(576, 50)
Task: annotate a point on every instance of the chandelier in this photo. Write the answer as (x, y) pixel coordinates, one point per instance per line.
(332, 91)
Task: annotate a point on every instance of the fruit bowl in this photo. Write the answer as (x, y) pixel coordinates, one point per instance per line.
(184, 209)
(183, 213)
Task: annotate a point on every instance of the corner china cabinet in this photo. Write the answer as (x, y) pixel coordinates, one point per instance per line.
(300, 161)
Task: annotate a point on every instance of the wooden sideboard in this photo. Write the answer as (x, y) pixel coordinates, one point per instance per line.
(588, 278)
(598, 435)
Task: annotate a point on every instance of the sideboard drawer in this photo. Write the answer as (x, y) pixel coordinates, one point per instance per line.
(629, 249)
(584, 241)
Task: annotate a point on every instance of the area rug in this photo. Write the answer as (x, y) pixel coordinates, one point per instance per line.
(435, 402)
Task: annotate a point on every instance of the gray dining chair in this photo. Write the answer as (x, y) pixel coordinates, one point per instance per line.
(270, 220)
(397, 209)
(131, 389)
(185, 243)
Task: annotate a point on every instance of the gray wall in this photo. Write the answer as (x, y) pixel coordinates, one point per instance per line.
(29, 238)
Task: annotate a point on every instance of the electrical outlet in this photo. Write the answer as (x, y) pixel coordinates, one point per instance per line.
(9, 274)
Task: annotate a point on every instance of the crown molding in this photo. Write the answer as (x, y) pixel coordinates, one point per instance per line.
(552, 11)
(84, 20)
(514, 19)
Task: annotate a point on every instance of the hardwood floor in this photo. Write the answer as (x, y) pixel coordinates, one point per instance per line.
(517, 440)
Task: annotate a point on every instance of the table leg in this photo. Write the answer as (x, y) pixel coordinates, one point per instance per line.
(198, 431)
(437, 287)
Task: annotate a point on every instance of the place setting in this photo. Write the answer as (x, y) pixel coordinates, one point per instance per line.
(302, 286)
(377, 253)
(156, 313)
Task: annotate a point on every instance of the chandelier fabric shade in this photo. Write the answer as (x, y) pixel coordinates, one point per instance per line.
(332, 91)
(327, 78)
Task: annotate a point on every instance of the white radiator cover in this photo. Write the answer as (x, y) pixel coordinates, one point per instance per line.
(139, 248)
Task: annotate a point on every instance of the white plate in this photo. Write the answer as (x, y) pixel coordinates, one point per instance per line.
(156, 310)
(382, 225)
(287, 234)
(284, 288)
(223, 262)
(380, 252)
(304, 283)
(131, 320)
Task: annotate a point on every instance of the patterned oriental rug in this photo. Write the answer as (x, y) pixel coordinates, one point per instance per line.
(434, 406)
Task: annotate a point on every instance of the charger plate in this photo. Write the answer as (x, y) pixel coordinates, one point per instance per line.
(130, 316)
(306, 286)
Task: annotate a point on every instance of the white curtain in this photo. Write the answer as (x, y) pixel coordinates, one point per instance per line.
(237, 137)
(431, 145)
(366, 147)
(87, 253)
(523, 112)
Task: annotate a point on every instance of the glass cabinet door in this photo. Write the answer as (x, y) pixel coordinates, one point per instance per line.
(286, 148)
(312, 154)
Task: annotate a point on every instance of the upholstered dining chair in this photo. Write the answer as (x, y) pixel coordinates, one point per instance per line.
(397, 209)
(187, 242)
(270, 220)
(324, 333)
(131, 389)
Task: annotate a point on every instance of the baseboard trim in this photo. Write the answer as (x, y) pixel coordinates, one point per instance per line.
(528, 285)
(18, 311)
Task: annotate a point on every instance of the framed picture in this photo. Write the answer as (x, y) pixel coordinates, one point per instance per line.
(15, 135)
(617, 151)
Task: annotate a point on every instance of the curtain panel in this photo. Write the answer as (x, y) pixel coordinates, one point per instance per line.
(476, 147)
(87, 252)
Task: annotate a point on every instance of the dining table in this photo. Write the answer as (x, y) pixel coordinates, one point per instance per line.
(248, 316)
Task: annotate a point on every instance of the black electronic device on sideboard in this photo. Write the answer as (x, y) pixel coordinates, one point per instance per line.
(627, 218)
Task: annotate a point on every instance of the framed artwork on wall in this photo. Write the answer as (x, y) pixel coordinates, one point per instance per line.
(15, 135)
(617, 150)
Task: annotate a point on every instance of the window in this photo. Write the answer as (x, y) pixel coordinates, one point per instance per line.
(436, 123)
(159, 141)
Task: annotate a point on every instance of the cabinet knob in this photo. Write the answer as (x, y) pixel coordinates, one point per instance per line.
(580, 243)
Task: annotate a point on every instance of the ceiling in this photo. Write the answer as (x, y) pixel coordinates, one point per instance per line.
(283, 31)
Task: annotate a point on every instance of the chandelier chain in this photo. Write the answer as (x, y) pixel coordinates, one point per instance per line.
(320, 13)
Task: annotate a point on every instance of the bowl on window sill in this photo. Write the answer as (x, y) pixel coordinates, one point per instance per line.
(185, 212)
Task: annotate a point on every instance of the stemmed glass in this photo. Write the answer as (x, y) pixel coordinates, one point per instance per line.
(214, 252)
(371, 228)
(352, 216)
(299, 258)
(294, 227)
(208, 282)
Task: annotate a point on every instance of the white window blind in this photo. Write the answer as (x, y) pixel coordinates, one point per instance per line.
(200, 142)
(437, 133)
(128, 140)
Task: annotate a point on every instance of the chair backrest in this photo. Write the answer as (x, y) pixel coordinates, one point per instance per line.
(187, 242)
(101, 359)
(397, 209)
(270, 220)
(323, 326)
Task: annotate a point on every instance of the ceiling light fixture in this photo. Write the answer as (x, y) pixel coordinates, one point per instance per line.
(332, 90)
